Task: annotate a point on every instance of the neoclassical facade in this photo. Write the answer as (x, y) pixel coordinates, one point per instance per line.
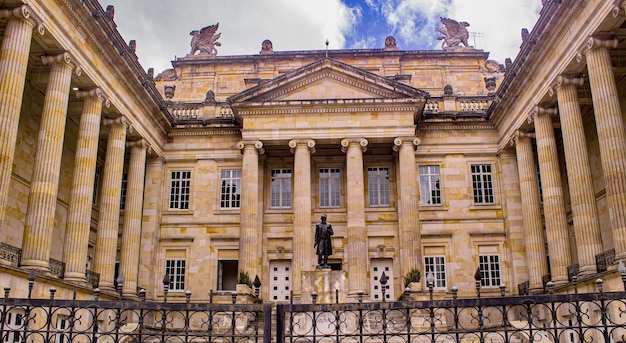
(440, 161)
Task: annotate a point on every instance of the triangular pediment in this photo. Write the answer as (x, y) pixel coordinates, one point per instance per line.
(328, 79)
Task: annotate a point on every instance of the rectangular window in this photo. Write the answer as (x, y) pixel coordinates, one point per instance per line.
(62, 327)
(123, 193)
(280, 188)
(231, 188)
(96, 181)
(179, 189)
(14, 323)
(430, 191)
(227, 275)
(329, 187)
(482, 182)
(175, 268)
(437, 266)
(490, 270)
(378, 186)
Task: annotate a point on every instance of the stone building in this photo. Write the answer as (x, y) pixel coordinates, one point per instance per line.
(441, 161)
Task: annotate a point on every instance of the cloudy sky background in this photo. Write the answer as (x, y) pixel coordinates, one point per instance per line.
(161, 27)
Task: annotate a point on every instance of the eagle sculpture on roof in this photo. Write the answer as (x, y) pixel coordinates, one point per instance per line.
(205, 40)
(454, 33)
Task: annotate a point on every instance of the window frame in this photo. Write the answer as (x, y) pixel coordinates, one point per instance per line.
(177, 281)
(284, 195)
(427, 178)
(485, 193)
(440, 283)
(231, 198)
(182, 199)
(489, 276)
(333, 180)
(374, 188)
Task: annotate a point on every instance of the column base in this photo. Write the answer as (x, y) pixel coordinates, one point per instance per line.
(36, 265)
(75, 277)
(587, 270)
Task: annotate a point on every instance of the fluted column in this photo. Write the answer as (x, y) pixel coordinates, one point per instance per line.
(13, 64)
(303, 256)
(611, 136)
(131, 234)
(249, 229)
(553, 203)
(42, 198)
(108, 224)
(531, 212)
(581, 192)
(408, 214)
(357, 235)
(79, 212)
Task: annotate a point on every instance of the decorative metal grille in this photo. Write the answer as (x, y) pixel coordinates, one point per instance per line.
(604, 260)
(11, 254)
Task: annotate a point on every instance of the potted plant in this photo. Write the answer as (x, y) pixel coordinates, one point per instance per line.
(412, 280)
(244, 283)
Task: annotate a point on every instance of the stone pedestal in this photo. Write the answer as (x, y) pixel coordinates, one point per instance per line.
(324, 282)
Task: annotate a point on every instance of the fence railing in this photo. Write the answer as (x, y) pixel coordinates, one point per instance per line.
(576, 317)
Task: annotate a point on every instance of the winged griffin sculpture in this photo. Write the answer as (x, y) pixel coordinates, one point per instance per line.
(454, 33)
(205, 40)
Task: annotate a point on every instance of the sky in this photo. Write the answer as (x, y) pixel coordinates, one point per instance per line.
(161, 27)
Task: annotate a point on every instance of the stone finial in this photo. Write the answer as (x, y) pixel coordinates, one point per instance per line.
(209, 98)
(267, 47)
(490, 83)
(508, 63)
(150, 73)
(133, 45)
(110, 12)
(168, 91)
(447, 90)
(525, 34)
(390, 43)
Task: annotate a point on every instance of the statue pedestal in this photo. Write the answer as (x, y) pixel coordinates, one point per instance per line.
(325, 283)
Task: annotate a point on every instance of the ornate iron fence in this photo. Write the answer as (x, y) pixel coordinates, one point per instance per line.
(588, 317)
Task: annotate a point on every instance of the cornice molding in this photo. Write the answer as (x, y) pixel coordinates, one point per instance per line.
(180, 133)
(327, 110)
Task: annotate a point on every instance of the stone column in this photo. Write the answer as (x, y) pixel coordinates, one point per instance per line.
(553, 203)
(303, 255)
(408, 213)
(249, 230)
(13, 64)
(129, 252)
(582, 194)
(42, 198)
(151, 226)
(357, 234)
(531, 209)
(81, 194)
(611, 136)
(108, 224)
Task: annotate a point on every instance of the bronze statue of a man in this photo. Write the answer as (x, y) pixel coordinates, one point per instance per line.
(323, 245)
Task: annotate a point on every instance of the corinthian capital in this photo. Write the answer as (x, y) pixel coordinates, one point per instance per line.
(345, 143)
(310, 144)
(399, 141)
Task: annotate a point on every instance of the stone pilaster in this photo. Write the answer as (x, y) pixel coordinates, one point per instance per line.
(553, 203)
(13, 64)
(531, 212)
(514, 221)
(248, 231)
(108, 224)
(409, 236)
(357, 234)
(42, 198)
(581, 192)
(150, 227)
(81, 194)
(303, 256)
(611, 136)
(131, 234)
